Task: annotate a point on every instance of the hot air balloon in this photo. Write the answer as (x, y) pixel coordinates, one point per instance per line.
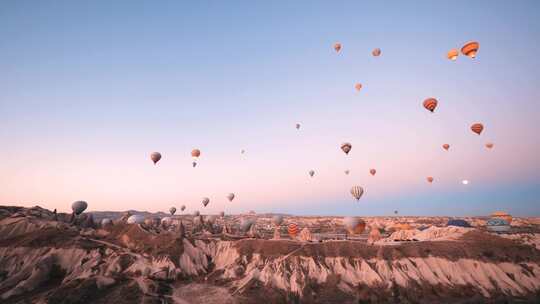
(502, 215)
(354, 225)
(183, 208)
(347, 172)
(357, 192)
(135, 219)
(358, 86)
(489, 145)
(230, 197)
(196, 213)
(446, 146)
(376, 52)
(470, 49)
(465, 181)
(155, 156)
(78, 207)
(205, 201)
(311, 173)
(195, 153)
(430, 104)
(106, 222)
(242, 151)
(222, 214)
(297, 126)
(172, 210)
(337, 47)
(346, 147)
(452, 54)
(372, 171)
(477, 128)
(277, 220)
(245, 224)
(395, 212)
(430, 179)
(293, 230)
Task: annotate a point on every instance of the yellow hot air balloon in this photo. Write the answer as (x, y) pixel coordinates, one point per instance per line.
(376, 52)
(470, 49)
(452, 54)
(346, 147)
(358, 86)
(337, 47)
(357, 192)
(477, 128)
(446, 146)
(430, 104)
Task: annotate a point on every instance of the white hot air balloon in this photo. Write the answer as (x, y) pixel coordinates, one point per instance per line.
(357, 192)
(78, 207)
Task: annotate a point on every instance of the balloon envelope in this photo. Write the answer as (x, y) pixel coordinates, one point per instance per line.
(135, 219)
(230, 197)
(277, 220)
(372, 171)
(429, 179)
(78, 207)
(337, 47)
(292, 229)
(357, 192)
(155, 157)
(358, 86)
(477, 128)
(446, 146)
(452, 54)
(430, 104)
(196, 153)
(346, 147)
(172, 210)
(470, 49)
(354, 225)
(311, 173)
(245, 224)
(376, 52)
(183, 208)
(205, 201)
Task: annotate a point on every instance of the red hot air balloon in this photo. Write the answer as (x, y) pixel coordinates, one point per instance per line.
(477, 128)
(372, 171)
(430, 179)
(292, 228)
(446, 146)
(470, 49)
(346, 147)
(430, 104)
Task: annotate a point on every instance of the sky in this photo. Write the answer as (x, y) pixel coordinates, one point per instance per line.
(88, 89)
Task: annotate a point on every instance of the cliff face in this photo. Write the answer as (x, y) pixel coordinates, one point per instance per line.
(47, 261)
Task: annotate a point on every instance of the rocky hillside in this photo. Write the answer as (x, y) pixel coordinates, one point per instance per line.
(45, 258)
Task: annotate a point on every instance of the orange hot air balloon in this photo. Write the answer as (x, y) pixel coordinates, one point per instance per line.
(489, 145)
(430, 104)
(337, 47)
(452, 54)
(446, 146)
(470, 49)
(502, 215)
(372, 171)
(430, 179)
(346, 147)
(477, 128)
(292, 228)
(358, 86)
(195, 153)
(376, 52)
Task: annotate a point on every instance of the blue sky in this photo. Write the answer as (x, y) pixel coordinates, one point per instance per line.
(89, 89)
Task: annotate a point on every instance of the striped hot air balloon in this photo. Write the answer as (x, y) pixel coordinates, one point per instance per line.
(357, 192)
(430, 104)
(372, 171)
(293, 230)
(446, 146)
(452, 54)
(477, 128)
(470, 49)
